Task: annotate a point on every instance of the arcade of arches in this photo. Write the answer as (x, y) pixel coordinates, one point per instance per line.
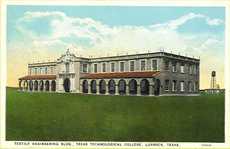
(37, 85)
(143, 86)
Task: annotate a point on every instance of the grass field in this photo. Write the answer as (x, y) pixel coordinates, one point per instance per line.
(52, 116)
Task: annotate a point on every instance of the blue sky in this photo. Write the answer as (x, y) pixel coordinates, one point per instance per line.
(46, 31)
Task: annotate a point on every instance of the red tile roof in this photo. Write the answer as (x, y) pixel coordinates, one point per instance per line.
(38, 77)
(143, 74)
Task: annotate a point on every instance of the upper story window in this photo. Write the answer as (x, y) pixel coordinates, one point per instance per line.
(46, 70)
(167, 85)
(190, 69)
(143, 65)
(35, 70)
(182, 68)
(182, 86)
(174, 66)
(95, 68)
(122, 66)
(104, 67)
(112, 67)
(67, 67)
(154, 64)
(84, 67)
(132, 66)
(166, 62)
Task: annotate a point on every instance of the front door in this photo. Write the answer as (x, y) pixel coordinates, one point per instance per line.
(66, 85)
(157, 87)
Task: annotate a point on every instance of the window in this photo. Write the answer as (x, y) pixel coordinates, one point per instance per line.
(174, 85)
(46, 70)
(182, 86)
(142, 65)
(190, 69)
(174, 66)
(67, 67)
(166, 65)
(166, 85)
(112, 67)
(154, 64)
(182, 68)
(131, 65)
(122, 66)
(95, 68)
(35, 70)
(85, 67)
(104, 67)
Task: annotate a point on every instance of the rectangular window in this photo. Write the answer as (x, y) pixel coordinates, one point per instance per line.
(104, 67)
(131, 65)
(35, 70)
(166, 65)
(174, 66)
(182, 68)
(154, 64)
(122, 66)
(143, 65)
(166, 85)
(174, 85)
(67, 67)
(46, 70)
(112, 67)
(85, 67)
(95, 68)
(182, 86)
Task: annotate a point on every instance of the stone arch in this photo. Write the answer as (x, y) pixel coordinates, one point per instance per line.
(66, 85)
(20, 84)
(41, 85)
(122, 87)
(25, 85)
(85, 86)
(144, 87)
(93, 85)
(31, 85)
(47, 85)
(36, 85)
(53, 86)
(133, 87)
(102, 86)
(112, 86)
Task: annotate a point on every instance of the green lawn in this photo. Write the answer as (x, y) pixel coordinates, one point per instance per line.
(53, 116)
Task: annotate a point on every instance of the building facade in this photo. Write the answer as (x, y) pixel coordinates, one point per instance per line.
(152, 74)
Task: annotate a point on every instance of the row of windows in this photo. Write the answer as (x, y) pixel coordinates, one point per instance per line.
(41, 70)
(121, 66)
(192, 69)
(192, 86)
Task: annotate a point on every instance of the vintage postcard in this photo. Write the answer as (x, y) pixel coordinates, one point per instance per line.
(94, 74)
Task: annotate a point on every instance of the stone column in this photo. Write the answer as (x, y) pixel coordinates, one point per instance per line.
(127, 90)
(138, 89)
(151, 89)
(89, 88)
(97, 87)
(116, 89)
(50, 85)
(33, 86)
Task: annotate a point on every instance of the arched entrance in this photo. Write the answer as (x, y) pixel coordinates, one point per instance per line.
(66, 85)
(111, 87)
(132, 87)
(93, 86)
(85, 86)
(102, 86)
(31, 85)
(41, 84)
(157, 87)
(122, 87)
(53, 86)
(144, 86)
(36, 85)
(47, 85)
